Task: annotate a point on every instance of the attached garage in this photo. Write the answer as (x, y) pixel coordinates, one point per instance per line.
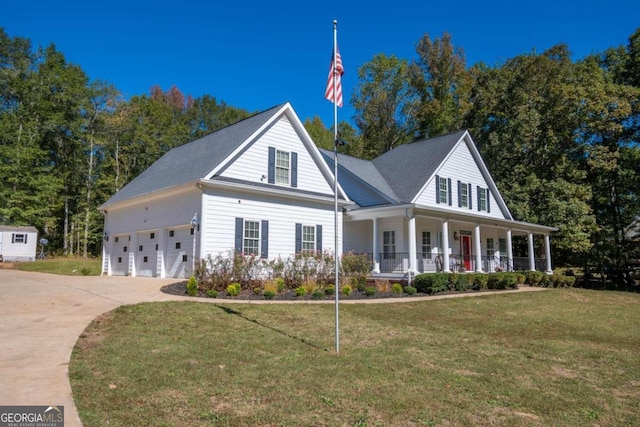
(179, 259)
(120, 255)
(147, 254)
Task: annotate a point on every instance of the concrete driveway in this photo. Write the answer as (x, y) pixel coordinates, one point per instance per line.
(41, 317)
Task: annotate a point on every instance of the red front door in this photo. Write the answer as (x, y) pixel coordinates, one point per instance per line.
(465, 249)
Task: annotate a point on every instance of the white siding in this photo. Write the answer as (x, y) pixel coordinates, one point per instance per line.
(222, 208)
(358, 236)
(252, 165)
(460, 166)
(18, 251)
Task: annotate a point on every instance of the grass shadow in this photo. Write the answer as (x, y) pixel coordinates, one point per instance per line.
(233, 312)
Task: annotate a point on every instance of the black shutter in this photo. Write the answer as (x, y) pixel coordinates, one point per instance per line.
(488, 202)
(13, 238)
(459, 194)
(437, 189)
(272, 166)
(449, 191)
(298, 238)
(319, 238)
(264, 248)
(469, 197)
(239, 235)
(294, 169)
(478, 189)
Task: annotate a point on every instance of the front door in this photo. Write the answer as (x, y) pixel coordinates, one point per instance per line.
(465, 250)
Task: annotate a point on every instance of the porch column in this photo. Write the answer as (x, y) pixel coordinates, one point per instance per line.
(161, 270)
(478, 248)
(532, 257)
(509, 251)
(412, 244)
(547, 252)
(445, 246)
(376, 264)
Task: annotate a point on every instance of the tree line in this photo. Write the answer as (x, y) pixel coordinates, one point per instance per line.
(560, 137)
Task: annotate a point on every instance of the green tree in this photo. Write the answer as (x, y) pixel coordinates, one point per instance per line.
(442, 85)
(384, 105)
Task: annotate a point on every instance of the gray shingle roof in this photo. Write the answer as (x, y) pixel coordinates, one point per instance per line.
(406, 168)
(193, 160)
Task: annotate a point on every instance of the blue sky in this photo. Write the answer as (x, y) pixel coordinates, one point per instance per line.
(255, 54)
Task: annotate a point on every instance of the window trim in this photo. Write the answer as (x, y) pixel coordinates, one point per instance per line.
(246, 239)
(308, 238)
(388, 244)
(279, 168)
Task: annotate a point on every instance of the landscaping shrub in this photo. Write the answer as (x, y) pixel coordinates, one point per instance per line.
(431, 283)
(317, 294)
(381, 285)
(410, 290)
(355, 265)
(269, 294)
(502, 280)
(233, 290)
(560, 281)
(396, 288)
(212, 293)
(330, 290)
(480, 281)
(346, 290)
(300, 291)
(534, 278)
(452, 279)
(192, 287)
(462, 282)
(370, 291)
(280, 285)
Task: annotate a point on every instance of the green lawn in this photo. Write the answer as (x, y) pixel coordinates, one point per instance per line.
(66, 266)
(562, 357)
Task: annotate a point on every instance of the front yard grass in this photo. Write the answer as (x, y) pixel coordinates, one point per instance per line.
(560, 357)
(66, 266)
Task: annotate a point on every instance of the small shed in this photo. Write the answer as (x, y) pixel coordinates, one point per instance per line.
(18, 243)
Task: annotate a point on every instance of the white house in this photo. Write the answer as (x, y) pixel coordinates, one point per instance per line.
(18, 243)
(262, 187)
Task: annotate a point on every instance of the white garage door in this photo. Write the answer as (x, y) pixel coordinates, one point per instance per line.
(147, 254)
(179, 252)
(120, 255)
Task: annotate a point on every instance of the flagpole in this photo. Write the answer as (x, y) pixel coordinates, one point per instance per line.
(335, 179)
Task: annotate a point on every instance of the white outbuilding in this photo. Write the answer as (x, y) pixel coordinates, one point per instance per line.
(18, 243)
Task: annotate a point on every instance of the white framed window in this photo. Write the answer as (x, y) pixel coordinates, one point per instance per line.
(389, 244)
(18, 238)
(502, 246)
(426, 244)
(308, 238)
(491, 252)
(482, 199)
(464, 195)
(444, 190)
(251, 241)
(283, 167)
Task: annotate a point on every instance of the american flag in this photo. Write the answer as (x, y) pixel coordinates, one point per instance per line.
(338, 71)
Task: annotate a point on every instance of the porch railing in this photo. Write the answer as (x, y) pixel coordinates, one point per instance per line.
(398, 262)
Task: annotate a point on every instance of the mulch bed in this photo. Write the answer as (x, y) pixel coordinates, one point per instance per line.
(288, 295)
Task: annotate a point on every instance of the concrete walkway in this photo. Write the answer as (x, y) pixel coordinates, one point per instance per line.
(42, 315)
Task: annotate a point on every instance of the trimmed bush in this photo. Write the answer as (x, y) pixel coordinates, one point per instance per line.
(410, 290)
(269, 294)
(300, 291)
(233, 290)
(502, 281)
(330, 290)
(212, 293)
(480, 281)
(432, 283)
(317, 294)
(462, 282)
(346, 290)
(370, 291)
(396, 288)
(192, 287)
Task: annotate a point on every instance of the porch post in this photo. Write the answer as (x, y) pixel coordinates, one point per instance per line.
(376, 264)
(532, 257)
(160, 262)
(412, 244)
(478, 248)
(509, 251)
(547, 251)
(445, 246)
